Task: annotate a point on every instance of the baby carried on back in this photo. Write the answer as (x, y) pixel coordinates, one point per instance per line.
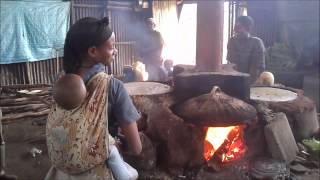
(78, 138)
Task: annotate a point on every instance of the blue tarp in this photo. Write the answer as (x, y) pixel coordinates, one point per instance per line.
(32, 30)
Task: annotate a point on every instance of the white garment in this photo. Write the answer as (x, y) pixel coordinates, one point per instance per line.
(120, 169)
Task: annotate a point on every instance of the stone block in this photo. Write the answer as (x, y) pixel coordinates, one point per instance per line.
(280, 139)
(306, 124)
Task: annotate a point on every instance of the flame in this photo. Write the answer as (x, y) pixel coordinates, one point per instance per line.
(226, 141)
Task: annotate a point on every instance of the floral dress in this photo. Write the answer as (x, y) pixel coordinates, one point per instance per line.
(77, 139)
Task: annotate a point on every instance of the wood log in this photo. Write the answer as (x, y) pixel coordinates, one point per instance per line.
(145, 95)
(26, 100)
(192, 84)
(25, 86)
(41, 93)
(12, 101)
(16, 96)
(234, 135)
(21, 103)
(41, 99)
(18, 116)
(11, 92)
(22, 108)
(8, 96)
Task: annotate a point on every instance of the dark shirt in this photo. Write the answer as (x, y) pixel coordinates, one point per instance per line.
(248, 54)
(121, 111)
(150, 47)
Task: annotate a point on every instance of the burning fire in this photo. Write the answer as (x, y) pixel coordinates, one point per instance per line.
(224, 142)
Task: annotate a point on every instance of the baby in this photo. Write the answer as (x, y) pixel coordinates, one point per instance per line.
(69, 92)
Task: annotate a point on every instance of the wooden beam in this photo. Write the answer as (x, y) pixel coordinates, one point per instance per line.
(209, 34)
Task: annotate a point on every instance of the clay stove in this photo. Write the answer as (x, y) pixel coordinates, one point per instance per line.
(193, 126)
(223, 119)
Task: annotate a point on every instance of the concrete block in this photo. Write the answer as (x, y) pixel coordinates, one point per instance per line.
(306, 124)
(280, 139)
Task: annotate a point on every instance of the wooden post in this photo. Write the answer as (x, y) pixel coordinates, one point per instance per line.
(28, 77)
(209, 34)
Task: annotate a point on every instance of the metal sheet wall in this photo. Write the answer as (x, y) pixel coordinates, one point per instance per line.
(118, 12)
(125, 47)
(44, 72)
(266, 21)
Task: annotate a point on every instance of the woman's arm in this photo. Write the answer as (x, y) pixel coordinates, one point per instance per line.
(132, 137)
(126, 115)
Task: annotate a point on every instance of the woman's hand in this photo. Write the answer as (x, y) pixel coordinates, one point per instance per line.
(132, 138)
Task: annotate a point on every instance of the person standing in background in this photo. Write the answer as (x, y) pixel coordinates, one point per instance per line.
(150, 48)
(245, 51)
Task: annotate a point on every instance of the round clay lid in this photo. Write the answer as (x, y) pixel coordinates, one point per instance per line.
(272, 94)
(215, 109)
(147, 88)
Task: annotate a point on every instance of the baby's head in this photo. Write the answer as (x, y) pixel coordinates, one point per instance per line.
(69, 91)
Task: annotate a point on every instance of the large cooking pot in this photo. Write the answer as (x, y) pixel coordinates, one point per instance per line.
(215, 109)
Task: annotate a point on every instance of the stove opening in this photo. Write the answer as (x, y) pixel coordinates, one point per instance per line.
(224, 144)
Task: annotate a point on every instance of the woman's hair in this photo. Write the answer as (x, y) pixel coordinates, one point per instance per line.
(246, 21)
(85, 33)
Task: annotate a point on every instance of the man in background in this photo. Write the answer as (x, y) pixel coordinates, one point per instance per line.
(245, 51)
(150, 48)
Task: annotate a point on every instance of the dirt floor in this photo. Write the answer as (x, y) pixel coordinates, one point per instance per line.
(20, 139)
(30, 133)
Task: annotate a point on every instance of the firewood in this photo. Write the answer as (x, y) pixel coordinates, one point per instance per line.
(21, 103)
(25, 100)
(41, 93)
(16, 94)
(18, 116)
(224, 148)
(13, 101)
(22, 108)
(35, 97)
(8, 96)
(25, 86)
